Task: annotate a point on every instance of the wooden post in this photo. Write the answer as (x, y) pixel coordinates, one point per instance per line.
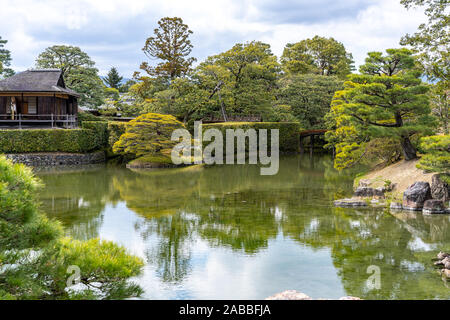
(52, 120)
(20, 121)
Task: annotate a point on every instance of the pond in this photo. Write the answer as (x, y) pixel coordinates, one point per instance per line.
(226, 232)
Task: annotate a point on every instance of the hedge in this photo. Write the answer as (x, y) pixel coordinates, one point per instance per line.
(48, 140)
(289, 132)
(115, 130)
(101, 131)
(86, 116)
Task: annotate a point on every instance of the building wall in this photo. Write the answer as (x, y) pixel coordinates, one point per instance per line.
(46, 105)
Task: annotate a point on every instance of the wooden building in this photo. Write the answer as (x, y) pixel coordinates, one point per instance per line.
(37, 98)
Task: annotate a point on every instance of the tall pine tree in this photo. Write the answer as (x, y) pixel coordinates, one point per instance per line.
(113, 79)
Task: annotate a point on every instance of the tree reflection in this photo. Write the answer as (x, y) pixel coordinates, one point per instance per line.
(236, 208)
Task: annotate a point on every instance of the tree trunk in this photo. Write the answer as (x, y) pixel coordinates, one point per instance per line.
(409, 152)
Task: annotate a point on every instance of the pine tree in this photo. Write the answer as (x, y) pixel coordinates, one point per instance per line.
(387, 100)
(35, 256)
(437, 154)
(113, 79)
(172, 45)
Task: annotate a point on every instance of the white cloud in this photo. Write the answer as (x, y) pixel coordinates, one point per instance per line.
(113, 32)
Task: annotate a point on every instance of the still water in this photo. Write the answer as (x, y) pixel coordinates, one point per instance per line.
(226, 232)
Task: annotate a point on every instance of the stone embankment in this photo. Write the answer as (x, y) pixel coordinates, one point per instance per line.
(57, 159)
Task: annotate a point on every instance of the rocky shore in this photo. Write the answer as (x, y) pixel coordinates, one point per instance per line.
(420, 197)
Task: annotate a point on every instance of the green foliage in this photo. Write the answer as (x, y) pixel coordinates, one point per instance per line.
(149, 134)
(289, 132)
(387, 101)
(437, 154)
(281, 113)
(48, 140)
(241, 80)
(5, 60)
(127, 85)
(432, 39)
(319, 55)
(113, 79)
(309, 96)
(115, 130)
(172, 45)
(34, 258)
(87, 116)
(440, 106)
(100, 129)
(78, 72)
(184, 99)
(112, 93)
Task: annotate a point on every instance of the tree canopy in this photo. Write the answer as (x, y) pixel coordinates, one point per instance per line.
(309, 97)
(170, 44)
(148, 134)
(319, 55)
(78, 71)
(113, 79)
(241, 80)
(432, 39)
(387, 100)
(5, 60)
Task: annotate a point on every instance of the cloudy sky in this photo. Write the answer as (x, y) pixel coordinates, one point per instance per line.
(113, 32)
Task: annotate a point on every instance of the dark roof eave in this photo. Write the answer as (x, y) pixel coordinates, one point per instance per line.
(34, 91)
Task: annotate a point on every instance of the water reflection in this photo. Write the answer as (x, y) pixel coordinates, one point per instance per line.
(259, 234)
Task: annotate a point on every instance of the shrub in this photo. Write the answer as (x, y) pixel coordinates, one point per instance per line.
(101, 131)
(34, 256)
(86, 116)
(437, 154)
(149, 134)
(48, 140)
(115, 130)
(289, 132)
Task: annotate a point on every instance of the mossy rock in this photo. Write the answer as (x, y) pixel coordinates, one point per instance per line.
(151, 162)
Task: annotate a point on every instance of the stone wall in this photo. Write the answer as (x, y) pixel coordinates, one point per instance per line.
(57, 159)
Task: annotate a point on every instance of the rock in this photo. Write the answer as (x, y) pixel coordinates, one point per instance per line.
(364, 192)
(442, 255)
(289, 295)
(396, 206)
(415, 196)
(364, 183)
(350, 203)
(379, 192)
(350, 298)
(446, 273)
(440, 190)
(443, 262)
(433, 206)
(295, 295)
